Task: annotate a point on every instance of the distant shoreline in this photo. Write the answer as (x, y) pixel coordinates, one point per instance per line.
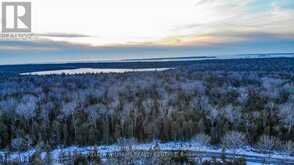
(209, 65)
(165, 59)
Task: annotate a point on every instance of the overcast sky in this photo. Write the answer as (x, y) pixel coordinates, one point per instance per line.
(113, 29)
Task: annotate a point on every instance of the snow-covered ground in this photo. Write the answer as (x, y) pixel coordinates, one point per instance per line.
(92, 70)
(248, 153)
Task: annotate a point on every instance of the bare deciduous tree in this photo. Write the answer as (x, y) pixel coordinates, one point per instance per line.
(234, 140)
(268, 144)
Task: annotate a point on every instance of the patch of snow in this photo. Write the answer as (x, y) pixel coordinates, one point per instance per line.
(103, 150)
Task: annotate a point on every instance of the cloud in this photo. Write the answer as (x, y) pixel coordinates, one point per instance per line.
(25, 48)
(63, 35)
(201, 2)
(46, 51)
(111, 23)
(210, 39)
(153, 27)
(237, 16)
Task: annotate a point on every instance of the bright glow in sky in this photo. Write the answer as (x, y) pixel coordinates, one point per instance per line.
(92, 24)
(161, 21)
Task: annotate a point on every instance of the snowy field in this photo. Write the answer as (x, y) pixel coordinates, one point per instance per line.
(248, 153)
(91, 70)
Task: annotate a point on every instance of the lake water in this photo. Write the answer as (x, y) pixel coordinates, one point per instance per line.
(92, 70)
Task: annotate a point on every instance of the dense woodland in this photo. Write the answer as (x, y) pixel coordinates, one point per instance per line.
(254, 107)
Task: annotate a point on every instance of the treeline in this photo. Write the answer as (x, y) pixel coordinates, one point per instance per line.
(50, 111)
(253, 62)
